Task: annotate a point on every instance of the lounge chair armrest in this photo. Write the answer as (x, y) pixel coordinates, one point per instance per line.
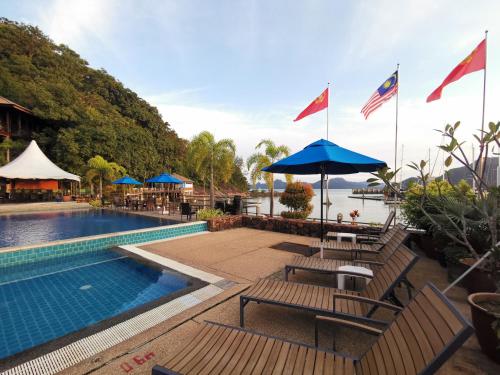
(350, 324)
(369, 301)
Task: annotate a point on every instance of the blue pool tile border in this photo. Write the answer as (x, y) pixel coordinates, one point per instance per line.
(27, 254)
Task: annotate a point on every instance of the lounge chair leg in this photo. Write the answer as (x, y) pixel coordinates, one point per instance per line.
(409, 287)
(316, 333)
(286, 273)
(242, 312)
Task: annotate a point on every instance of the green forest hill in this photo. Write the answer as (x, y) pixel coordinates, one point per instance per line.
(87, 112)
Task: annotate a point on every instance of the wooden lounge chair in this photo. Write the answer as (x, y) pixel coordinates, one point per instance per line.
(355, 249)
(333, 301)
(421, 338)
(393, 239)
(376, 232)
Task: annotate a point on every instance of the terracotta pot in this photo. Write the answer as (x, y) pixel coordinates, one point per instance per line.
(482, 321)
(67, 198)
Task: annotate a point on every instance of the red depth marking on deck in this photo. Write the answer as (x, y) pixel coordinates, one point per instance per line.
(136, 361)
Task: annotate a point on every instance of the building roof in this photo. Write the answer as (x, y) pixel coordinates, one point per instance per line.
(4, 102)
(33, 164)
(182, 178)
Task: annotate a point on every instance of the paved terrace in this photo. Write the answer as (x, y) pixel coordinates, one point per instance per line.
(245, 255)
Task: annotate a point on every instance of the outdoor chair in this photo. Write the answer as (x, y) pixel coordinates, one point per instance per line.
(419, 340)
(374, 233)
(187, 210)
(358, 249)
(393, 239)
(333, 301)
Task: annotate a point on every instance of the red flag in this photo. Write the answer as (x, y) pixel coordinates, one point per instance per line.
(321, 102)
(472, 63)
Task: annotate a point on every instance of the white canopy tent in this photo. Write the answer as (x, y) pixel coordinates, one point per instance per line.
(33, 164)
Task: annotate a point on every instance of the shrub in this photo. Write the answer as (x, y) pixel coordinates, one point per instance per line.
(411, 209)
(209, 213)
(96, 203)
(297, 196)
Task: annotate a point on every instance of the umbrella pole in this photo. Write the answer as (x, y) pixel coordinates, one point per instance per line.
(321, 198)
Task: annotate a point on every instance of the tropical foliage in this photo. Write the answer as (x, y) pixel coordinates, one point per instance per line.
(209, 213)
(7, 146)
(83, 112)
(297, 196)
(211, 160)
(102, 170)
(268, 153)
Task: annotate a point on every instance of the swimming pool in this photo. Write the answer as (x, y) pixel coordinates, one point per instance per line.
(46, 300)
(28, 229)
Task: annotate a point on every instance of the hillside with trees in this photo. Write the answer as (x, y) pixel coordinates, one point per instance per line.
(86, 112)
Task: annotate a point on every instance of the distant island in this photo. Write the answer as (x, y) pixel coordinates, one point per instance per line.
(454, 175)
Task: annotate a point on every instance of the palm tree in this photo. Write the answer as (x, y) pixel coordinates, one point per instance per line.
(206, 154)
(100, 167)
(259, 160)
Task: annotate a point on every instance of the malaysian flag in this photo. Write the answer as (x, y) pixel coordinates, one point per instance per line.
(381, 95)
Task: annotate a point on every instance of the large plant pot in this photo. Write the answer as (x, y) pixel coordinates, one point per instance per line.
(482, 319)
(479, 280)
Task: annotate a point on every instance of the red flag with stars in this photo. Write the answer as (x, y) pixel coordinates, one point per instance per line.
(472, 63)
(321, 102)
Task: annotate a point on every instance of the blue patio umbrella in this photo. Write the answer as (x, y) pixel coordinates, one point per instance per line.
(164, 178)
(127, 180)
(324, 157)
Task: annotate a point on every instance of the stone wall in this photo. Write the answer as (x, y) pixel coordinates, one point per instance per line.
(278, 224)
(224, 222)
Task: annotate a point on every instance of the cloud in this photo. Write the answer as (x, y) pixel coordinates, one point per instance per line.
(77, 23)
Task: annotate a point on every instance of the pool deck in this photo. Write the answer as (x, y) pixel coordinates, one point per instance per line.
(243, 256)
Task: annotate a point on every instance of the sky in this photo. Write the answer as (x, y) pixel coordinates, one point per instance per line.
(245, 69)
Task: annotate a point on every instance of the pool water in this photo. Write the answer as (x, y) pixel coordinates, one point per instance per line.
(45, 300)
(29, 229)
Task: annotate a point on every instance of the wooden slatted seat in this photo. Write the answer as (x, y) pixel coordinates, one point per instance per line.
(420, 339)
(332, 301)
(356, 249)
(392, 240)
(377, 232)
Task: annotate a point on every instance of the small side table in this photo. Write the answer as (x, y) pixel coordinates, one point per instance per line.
(340, 235)
(362, 272)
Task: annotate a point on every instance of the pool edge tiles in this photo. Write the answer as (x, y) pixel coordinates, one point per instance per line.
(31, 253)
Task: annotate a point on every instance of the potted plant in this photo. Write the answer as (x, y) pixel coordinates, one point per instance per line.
(470, 221)
(354, 214)
(485, 308)
(340, 217)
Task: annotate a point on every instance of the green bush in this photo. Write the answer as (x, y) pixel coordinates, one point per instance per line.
(437, 192)
(209, 213)
(295, 214)
(96, 203)
(297, 196)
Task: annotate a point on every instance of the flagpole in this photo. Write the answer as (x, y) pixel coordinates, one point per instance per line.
(396, 132)
(327, 108)
(482, 161)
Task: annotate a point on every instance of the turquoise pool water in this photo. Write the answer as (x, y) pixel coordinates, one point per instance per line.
(49, 299)
(27, 229)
